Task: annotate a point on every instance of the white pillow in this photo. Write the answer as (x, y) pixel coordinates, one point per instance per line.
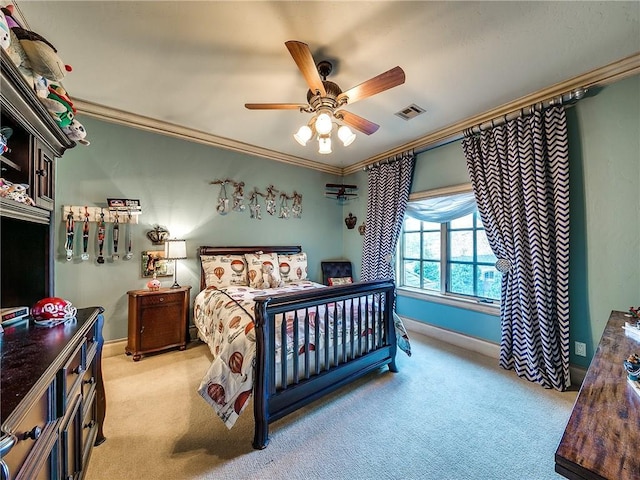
(254, 265)
(224, 270)
(293, 267)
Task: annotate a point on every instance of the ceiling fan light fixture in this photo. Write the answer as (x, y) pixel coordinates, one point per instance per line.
(346, 135)
(303, 135)
(324, 144)
(324, 123)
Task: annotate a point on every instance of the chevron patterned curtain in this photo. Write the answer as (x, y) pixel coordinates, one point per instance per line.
(388, 189)
(520, 177)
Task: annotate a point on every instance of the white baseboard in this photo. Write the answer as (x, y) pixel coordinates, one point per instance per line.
(459, 340)
(475, 344)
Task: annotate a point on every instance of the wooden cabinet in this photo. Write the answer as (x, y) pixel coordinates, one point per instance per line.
(53, 400)
(158, 320)
(26, 230)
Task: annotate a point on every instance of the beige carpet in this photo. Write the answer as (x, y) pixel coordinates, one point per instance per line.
(448, 414)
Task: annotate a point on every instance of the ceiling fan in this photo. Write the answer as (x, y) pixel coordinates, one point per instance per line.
(325, 99)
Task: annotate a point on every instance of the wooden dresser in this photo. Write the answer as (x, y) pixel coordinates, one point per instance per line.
(602, 437)
(53, 400)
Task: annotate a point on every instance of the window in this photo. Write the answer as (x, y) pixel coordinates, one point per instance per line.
(447, 254)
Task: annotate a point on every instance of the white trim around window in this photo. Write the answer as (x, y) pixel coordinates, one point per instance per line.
(450, 300)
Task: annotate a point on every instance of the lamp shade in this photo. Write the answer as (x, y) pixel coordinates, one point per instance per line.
(303, 135)
(175, 249)
(346, 135)
(324, 144)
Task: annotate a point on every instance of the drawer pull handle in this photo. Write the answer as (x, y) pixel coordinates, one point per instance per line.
(91, 424)
(79, 370)
(34, 434)
(41, 172)
(90, 381)
(161, 299)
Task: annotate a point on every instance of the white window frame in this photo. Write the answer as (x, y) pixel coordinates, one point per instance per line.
(443, 297)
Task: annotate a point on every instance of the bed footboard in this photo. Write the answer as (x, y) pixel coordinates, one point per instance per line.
(328, 338)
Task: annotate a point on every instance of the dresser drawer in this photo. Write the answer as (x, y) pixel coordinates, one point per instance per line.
(163, 299)
(73, 371)
(34, 429)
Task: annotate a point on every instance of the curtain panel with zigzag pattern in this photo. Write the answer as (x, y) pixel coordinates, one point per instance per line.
(520, 177)
(388, 188)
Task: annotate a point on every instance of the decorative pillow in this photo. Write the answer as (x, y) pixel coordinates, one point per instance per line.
(339, 281)
(224, 270)
(293, 268)
(254, 264)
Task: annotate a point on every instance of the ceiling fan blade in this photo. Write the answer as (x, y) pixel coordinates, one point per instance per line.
(303, 58)
(361, 124)
(384, 81)
(275, 106)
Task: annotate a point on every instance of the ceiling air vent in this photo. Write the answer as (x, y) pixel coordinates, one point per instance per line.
(410, 112)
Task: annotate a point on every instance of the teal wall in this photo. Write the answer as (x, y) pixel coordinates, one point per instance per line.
(171, 179)
(604, 142)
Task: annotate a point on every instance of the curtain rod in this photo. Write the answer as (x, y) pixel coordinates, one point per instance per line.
(567, 98)
(391, 159)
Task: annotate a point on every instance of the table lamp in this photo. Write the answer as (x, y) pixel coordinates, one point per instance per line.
(175, 250)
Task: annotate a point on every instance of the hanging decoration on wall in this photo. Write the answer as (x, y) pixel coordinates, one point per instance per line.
(158, 235)
(115, 236)
(296, 208)
(222, 206)
(351, 221)
(85, 235)
(129, 254)
(70, 233)
(270, 202)
(284, 206)
(341, 192)
(254, 204)
(362, 229)
(238, 197)
(100, 258)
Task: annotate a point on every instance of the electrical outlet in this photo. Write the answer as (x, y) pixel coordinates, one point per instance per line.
(581, 349)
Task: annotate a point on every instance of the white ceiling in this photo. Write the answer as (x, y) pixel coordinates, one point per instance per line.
(195, 64)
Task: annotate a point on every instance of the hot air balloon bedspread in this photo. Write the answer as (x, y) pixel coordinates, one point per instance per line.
(332, 335)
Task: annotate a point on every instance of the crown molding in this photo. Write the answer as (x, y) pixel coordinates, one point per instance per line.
(599, 77)
(602, 76)
(160, 127)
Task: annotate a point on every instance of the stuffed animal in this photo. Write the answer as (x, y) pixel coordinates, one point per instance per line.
(76, 132)
(32, 53)
(59, 105)
(5, 37)
(268, 278)
(15, 191)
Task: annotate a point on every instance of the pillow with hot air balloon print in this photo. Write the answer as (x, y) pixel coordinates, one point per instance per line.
(254, 264)
(293, 268)
(222, 271)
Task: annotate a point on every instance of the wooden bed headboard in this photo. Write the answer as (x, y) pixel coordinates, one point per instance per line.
(241, 250)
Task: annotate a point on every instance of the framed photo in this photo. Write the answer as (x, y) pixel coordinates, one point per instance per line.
(154, 262)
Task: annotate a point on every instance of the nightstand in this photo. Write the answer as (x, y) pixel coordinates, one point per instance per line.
(158, 320)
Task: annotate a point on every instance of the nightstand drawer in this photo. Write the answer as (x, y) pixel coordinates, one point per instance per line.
(161, 299)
